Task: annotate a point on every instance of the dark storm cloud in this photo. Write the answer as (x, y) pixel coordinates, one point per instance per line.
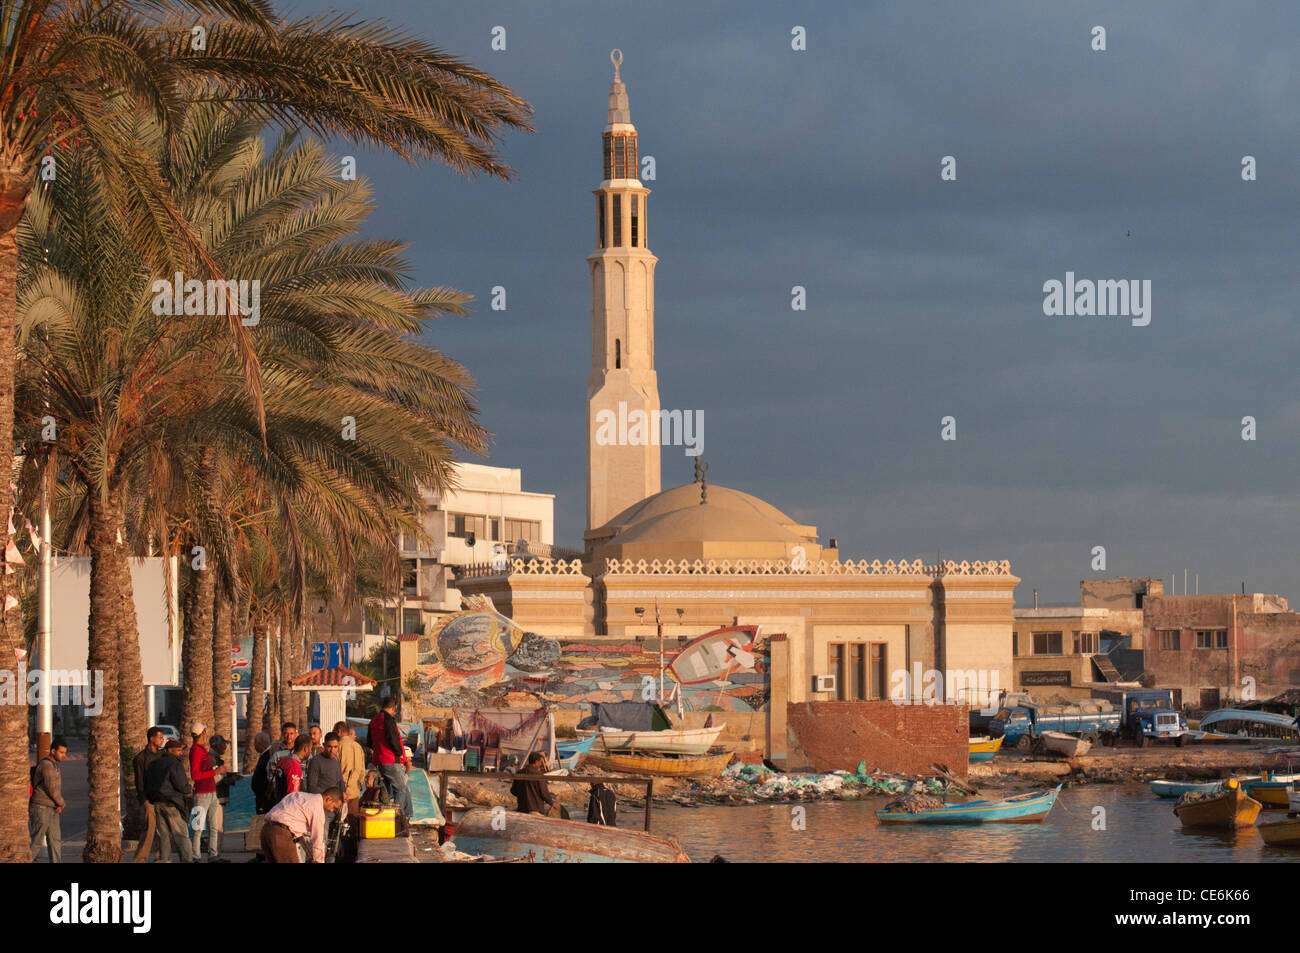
(821, 169)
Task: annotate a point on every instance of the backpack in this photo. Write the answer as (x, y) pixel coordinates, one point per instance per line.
(277, 786)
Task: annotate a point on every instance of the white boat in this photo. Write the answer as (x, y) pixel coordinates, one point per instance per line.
(694, 741)
(1292, 800)
(1063, 744)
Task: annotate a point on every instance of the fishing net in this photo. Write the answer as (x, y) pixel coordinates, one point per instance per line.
(1191, 797)
(911, 803)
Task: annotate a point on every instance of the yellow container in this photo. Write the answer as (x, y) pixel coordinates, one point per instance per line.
(379, 823)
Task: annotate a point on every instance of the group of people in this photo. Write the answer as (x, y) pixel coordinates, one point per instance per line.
(301, 784)
(164, 790)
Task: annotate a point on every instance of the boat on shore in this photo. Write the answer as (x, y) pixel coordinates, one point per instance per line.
(1069, 746)
(1244, 723)
(984, 749)
(1281, 833)
(549, 840)
(1271, 788)
(708, 766)
(1163, 788)
(1227, 809)
(1029, 808)
(569, 754)
(670, 741)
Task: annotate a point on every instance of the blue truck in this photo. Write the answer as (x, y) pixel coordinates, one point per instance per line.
(1147, 715)
(1021, 725)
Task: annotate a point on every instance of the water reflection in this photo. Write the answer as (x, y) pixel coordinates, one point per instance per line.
(1091, 823)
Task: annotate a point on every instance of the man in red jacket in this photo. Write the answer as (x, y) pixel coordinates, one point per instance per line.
(389, 754)
(207, 809)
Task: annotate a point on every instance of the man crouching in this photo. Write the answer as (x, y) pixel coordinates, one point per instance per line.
(299, 818)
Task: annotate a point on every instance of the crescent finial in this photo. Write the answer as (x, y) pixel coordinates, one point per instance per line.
(616, 57)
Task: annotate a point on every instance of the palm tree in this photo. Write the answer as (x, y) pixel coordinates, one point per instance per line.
(72, 70)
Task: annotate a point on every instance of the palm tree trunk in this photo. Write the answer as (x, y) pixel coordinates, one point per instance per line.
(303, 661)
(131, 706)
(286, 673)
(196, 650)
(256, 695)
(103, 834)
(277, 716)
(223, 620)
(13, 718)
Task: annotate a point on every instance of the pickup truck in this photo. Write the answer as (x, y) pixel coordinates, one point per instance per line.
(1147, 714)
(1021, 725)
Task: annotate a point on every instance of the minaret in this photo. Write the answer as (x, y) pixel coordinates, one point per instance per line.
(622, 459)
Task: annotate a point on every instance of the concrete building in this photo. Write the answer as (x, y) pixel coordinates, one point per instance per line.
(1216, 649)
(487, 518)
(1061, 652)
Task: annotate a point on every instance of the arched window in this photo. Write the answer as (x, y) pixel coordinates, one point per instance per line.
(600, 211)
(618, 353)
(635, 203)
(618, 222)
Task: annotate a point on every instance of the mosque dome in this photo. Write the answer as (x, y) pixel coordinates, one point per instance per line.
(728, 524)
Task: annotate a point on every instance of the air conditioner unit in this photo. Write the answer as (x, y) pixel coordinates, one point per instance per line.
(823, 683)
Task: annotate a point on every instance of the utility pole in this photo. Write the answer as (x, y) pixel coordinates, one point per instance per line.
(45, 731)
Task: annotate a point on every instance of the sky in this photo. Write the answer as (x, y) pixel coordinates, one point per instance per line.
(820, 167)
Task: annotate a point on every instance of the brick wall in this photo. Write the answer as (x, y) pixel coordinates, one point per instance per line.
(899, 739)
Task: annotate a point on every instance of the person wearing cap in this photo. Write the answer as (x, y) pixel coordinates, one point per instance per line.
(206, 808)
(167, 788)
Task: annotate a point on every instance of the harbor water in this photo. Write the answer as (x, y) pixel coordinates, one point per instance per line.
(1133, 825)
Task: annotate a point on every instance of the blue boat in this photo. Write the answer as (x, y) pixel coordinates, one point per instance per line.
(1022, 809)
(569, 753)
(1164, 788)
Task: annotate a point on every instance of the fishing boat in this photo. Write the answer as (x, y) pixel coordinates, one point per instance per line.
(1281, 833)
(1071, 746)
(708, 766)
(1163, 788)
(1293, 800)
(548, 840)
(1232, 808)
(671, 741)
(569, 754)
(1271, 788)
(1023, 809)
(715, 656)
(1249, 724)
(983, 749)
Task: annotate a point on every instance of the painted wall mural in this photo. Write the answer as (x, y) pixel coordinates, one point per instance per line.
(479, 658)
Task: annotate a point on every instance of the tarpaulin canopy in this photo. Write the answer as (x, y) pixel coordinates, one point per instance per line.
(521, 729)
(627, 716)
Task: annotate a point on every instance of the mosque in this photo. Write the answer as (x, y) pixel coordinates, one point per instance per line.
(679, 562)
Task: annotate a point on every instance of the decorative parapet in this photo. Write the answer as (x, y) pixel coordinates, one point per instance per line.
(526, 567)
(785, 567)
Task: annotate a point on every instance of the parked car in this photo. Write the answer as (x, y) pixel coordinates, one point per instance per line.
(169, 733)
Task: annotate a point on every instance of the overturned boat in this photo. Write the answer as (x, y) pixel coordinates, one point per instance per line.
(549, 840)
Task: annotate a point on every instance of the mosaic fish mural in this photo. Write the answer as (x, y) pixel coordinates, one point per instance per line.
(480, 658)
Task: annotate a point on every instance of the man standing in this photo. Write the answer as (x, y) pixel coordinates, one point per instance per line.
(257, 783)
(352, 765)
(152, 752)
(316, 743)
(47, 802)
(324, 771)
(299, 817)
(207, 813)
(389, 754)
(532, 796)
(167, 788)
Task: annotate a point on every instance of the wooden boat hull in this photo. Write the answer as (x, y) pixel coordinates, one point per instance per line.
(1232, 809)
(1177, 789)
(1024, 809)
(1067, 745)
(1270, 789)
(1281, 833)
(984, 749)
(715, 656)
(696, 741)
(570, 754)
(548, 840)
(709, 766)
